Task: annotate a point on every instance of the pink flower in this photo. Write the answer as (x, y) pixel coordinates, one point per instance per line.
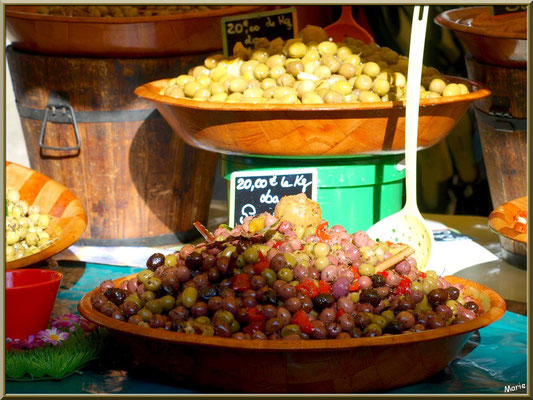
(52, 336)
(65, 321)
(87, 325)
(32, 342)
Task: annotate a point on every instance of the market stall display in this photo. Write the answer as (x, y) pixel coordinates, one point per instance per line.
(222, 300)
(58, 209)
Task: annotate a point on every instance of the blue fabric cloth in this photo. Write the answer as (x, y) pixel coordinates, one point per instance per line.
(493, 359)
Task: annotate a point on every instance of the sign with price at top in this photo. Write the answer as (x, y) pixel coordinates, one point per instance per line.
(250, 27)
(255, 192)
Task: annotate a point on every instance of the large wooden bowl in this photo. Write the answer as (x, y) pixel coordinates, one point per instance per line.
(307, 130)
(68, 219)
(490, 46)
(153, 36)
(306, 366)
(501, 221)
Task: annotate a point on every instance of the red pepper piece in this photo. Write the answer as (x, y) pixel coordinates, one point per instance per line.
(323, 236)
(355, 271)
(384, 273)
(404, 287)
(354, 287)
(340, 312)
(302, 320)
(422, 274)
(324, 287)
(277, 244)
(260, 266)
(256, 321)
(241, 282)
(308, 288)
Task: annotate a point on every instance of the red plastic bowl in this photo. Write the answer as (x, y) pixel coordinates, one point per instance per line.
(30, 297)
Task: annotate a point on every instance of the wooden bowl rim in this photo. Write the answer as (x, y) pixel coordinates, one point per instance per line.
(502, 209)
(447, 19)
(496, 311)
(150, 91)
(231, 10)
(59, 245)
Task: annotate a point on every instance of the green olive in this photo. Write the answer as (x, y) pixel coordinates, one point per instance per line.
(321, 263)
(145, 314)
(227, 251)
(437, 85)
(153, 284)
(285, 274)
(269, 275)
(366, 96)
(154, 306)
(147, 296)
(224, 316)
(371, 69)
(291, 329)
(366, 269)
(379, 320)
(219, 97)
(167, 302)
(291, 260)
(144, 275)
(373, 328)
(189, 296)
(297, 50)
(381, 87)
(251, 255)
(134, 298)
(321, 249)
(343, 87)
(171, 260)
(203, 320)
(327, 48)
(261, 71)
(451, 89)
(388, 315)
(415, 285)
(235, 326)
(363, 82)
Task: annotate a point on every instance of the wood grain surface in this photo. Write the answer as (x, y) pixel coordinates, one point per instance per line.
(306, 366)
(153, 36)
(136, 179)
(490, 45)
(307, 130)
(68, 219)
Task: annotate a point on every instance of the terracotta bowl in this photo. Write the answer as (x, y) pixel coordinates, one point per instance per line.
(488, 45)
(162, 35)
(68, 219)
(501, 221)
(305, 366)
(307, 130)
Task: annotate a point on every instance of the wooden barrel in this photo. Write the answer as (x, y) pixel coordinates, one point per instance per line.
(139, 182)
(502, 123)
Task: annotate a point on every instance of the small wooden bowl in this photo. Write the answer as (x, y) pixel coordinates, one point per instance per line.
(307, 129)
(153, 36)
(501, 221)
(304, 366)
(68, 219)
(490, 46)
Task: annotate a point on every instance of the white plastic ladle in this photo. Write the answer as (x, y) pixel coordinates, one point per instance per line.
(407, 225)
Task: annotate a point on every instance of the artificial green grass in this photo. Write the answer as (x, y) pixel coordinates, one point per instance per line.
(55, 362)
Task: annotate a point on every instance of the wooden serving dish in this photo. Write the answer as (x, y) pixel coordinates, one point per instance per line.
(151, 36)
(68, 219)
(501, 221)
(305, 366)
(488, 45)
(307, 129)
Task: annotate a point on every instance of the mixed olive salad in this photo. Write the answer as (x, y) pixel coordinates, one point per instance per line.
(26, 232)
(310, 69)
(272, 279)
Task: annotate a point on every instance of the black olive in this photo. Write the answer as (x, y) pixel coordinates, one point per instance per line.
(393, 327)
(378, 280)
(453, 293)
(404, 303)
(115, 295)
(205, 293)
(194, 261)
(370, 296)
(155, 261)
(437, 297)
(323, 300)
(270, 297)
(471, 306)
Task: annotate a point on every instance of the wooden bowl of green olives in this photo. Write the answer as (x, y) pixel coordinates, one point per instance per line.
(363, 364)
(340, 129)
(118, 31)
(43, 217)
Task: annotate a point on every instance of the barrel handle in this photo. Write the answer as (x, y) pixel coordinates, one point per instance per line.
(53, 107)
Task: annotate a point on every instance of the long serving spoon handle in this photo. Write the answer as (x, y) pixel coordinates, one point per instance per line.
(414, 72)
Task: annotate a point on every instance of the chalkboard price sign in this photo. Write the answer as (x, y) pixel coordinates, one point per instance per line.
(254, 192)
(250, 27)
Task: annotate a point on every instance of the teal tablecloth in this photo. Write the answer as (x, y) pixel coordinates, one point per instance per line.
(495, 358)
